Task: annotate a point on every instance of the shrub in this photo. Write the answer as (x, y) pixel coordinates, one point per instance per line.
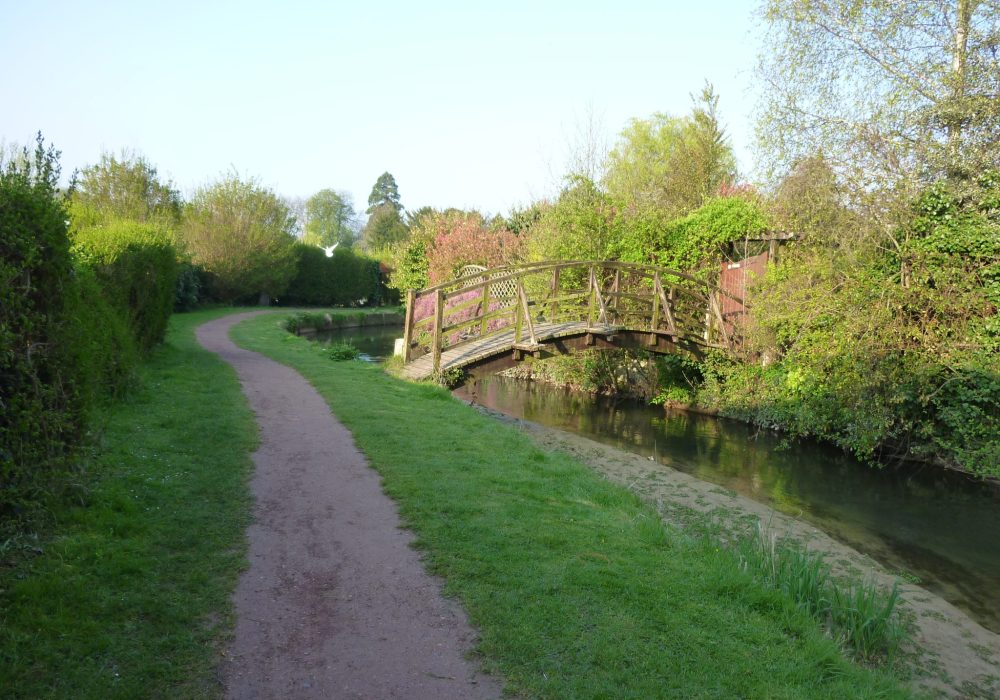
(241, 233)
(62, 348)
(345, 279)
(343, 351)
(188, 289)
(39, 416)
(137, 267)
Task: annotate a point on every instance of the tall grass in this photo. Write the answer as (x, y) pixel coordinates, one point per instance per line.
(861, 615)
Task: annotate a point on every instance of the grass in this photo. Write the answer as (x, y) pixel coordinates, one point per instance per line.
(860, 614)
(319, 319)
(128, 596)
(578, 588)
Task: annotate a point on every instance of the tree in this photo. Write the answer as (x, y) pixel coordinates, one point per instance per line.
(123, 188)
(579, 226)
(669, 163)
(384, 193)
(896, 94)
(384, 228)
(241, 234)
(330, 219)
(810, 201)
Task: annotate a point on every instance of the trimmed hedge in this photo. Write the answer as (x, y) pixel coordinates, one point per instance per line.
(62, 346)
(137, 267)
(73, 321)
(346, 279)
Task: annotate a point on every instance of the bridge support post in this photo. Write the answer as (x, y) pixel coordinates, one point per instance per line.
(411, 297)
(657, 290)
(438, 323)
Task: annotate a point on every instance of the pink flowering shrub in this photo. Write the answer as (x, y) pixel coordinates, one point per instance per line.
(467, 240)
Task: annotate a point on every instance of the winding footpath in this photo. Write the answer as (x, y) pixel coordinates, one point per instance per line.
(335, 603)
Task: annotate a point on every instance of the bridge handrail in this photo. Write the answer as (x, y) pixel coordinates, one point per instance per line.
(517, 305)
(521, 269)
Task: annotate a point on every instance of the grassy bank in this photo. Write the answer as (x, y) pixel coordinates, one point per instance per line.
(128, 595)
(577, 587)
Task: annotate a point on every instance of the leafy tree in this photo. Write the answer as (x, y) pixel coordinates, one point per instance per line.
(414, 218)
(669, 163)
(811, 201)
(894, 93)
(579, 226)
(128, 187)
(330, 219)
(241, 234)
(384, 228)
(384, 193)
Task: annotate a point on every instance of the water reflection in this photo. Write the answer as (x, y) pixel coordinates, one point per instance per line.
(374, 342)
(938, 526)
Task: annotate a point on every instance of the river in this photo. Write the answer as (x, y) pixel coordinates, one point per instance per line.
(934, 527)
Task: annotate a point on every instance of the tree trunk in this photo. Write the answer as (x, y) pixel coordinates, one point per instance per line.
(963, 19)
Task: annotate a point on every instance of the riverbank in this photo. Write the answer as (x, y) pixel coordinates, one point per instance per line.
(578, 588)
(949, 653)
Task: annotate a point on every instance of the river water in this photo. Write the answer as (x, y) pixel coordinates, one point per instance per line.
(938, 527)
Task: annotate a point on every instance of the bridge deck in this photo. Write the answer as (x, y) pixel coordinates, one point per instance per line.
(495, 344)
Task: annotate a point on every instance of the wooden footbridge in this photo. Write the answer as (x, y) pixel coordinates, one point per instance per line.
(489, 319)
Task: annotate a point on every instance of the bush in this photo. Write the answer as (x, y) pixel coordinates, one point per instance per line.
(188, 289)
(39, 416)
(345, 279)
(137, 267)
(343, 351)
(62, 347)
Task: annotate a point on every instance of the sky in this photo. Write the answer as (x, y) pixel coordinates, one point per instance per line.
(468, 104)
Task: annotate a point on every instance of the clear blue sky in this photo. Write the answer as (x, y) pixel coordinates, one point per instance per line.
(467, 104)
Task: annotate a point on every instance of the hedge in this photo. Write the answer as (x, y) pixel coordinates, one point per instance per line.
(137, 266)
(346, 279)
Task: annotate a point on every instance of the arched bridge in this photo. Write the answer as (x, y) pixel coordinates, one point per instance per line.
(487, 320)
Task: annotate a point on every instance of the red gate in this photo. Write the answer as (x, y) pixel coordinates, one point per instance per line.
(735, 277)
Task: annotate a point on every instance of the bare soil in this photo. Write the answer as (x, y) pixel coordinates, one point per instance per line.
(335, 603)
(950, 655)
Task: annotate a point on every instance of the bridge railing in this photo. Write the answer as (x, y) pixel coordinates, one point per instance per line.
(603, 295)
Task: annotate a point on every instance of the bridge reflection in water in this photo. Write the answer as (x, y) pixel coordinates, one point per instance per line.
(489, 319)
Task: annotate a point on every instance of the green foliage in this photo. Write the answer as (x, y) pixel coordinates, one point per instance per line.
(128, 594)
(579, 226)
(894, 94)
(187, 293)
(385, 227)
(678, 377)
(137, 267)
(342, 351)
(884, 364)
(41, 415)
(862, 616)
(330, 219)
(693, 241)
(347, 278)
(241, 235)
(409, 265)
(62, 347)
(671, 164)
(128, 188)
(385, 193)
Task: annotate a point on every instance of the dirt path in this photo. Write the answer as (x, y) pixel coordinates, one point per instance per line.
(335, 603)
